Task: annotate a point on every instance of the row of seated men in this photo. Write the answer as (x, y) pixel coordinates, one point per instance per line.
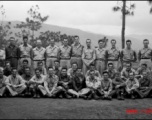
(66, 54)
(57, 82)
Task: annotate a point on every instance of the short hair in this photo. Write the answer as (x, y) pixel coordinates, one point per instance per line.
(128, 41)
(104, 72)
(25, 61)
(76, 36)
(64, 68)
(11, 38)
(110, 64)
(25, 37)
(57, 61)
(132, 73)
(65, 38)
(39, 62)
(117, 73)
(145, 40)
(113, 40)
(14, 68)
(27, 68)
(37, 69)
(38, 40)
(144, 64)
(91, 71)
(100, 40)
(129, 63)
(75, 63)
(92, 64)
(88, 39)
(1, 69)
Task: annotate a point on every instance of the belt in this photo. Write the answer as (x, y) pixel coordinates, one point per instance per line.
(112, 60)
(100, 59)
(145, 58)
(76, 56)
(65, 58)
(25, 57)
(51, 56)
(38, 60)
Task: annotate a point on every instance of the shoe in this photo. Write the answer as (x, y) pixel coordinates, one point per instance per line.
(119, 97)
(38, 96)
(95, 97)
(68, 96)
(132, 97)
(109, 98)
(35, 96)
(60, 96)
(89, 97)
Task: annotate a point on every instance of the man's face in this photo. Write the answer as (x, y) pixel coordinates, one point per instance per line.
(88, 42)
(92, 67)
(27, 71)
(1, 73)
(143, 67)
(56, 64)
(76, 39)
(117, 76)
(25, 64)
(52, 42)
(105, 75)
(65, 42)
(92, 74)
(51, 71)
(74, 67)
(64, 72)
(14, 72)
(101, 44)
(8, 65)
(12, 41)
(110, 67)
(144, 75)
(131, 76)
(146, 43)
(40, 65)
(39, 44)
(128, 44)
(37, 73)
(128, 66)
(25, 40)
(113, 43)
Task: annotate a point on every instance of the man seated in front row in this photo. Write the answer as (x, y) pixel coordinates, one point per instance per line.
(15, 83)
(71, 71)
(106, 86)
(145, 87)
(41, 67)
(27, 75)
(36, 83)
(92, 84)
(2, 83)
(92, 67)
(50, 88)
(21, 70)
(128, 69)
(7, 70)
(132, 85)
(64, 82)
(118, 87)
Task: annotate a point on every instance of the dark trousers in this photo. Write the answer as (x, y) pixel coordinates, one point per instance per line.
(13, 62)
(2, 63)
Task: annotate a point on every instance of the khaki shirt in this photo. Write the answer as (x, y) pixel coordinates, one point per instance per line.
(145, 53)
(38, 80)
(95, 83)
(2, 54)
(77, 51)
(88, 54)
(39, 54)
(128, 55)
(25, 50)
(101, 53)
(113, 54)
(65, 52)
(52, 51)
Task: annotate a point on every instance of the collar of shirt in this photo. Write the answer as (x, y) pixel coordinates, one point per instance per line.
(146, 48)
(102, 49)
(77, 46)
(39, 49)
(66, 46)
(52, 47)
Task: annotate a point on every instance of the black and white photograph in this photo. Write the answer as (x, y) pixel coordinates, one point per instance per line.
(76, 59)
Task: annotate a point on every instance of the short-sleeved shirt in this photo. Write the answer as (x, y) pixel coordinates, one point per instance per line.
(15, 81)
(39, 54)
(145, 53)
(125, 73)
(52, 51)
(93, 83)
(65, 52)
(113, 54)
(36, 79)
(77, 51)
(25, 51)
(88, 54)
(106, 85)
(101, 53)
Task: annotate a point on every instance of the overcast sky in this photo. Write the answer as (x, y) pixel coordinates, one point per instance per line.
(94, 16)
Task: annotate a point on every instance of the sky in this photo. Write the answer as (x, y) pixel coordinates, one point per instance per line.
(93, 16)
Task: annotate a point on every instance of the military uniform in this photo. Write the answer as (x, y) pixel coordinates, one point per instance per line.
(51, 55)
(25, 54)
(113, 56)
(101, 58)
(145, 56)
(77, 52)
(38, 55)
(65, 55)
(88, 57)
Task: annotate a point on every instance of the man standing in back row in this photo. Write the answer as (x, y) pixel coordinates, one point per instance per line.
(88, 56)
(77, 50)
(145, 54)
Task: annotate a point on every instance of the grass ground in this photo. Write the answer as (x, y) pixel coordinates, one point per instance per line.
(29, 108)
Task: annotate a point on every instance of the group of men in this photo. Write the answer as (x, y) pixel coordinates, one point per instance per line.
(75, 71)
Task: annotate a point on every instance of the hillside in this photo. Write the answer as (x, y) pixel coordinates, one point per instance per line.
(136, 39)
